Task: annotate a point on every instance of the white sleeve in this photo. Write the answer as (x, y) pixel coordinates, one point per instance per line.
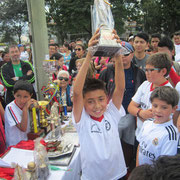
(137, 97)
(178, 90)
(115, 114)
(9, 118)
(80, 124)
(168, 147)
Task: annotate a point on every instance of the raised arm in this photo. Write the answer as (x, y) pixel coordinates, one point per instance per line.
(80, 79)
(119, 80)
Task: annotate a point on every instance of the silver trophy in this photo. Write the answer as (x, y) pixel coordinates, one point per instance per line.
(102, 18)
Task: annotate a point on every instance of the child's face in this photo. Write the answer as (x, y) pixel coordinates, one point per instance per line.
(22, 97)
(152, 74)
(161, 110)
(95, 103)
(61, 62)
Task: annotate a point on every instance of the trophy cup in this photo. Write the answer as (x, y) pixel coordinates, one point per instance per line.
(103, 19)
(50, 67)
(43, 121)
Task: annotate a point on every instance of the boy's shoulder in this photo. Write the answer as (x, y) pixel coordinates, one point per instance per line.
(12, 106)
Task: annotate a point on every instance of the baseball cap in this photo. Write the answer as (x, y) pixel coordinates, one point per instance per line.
(20, 45)
(127, 46)
(131, 37)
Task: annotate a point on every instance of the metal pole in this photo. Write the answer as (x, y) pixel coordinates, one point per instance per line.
(39, 40)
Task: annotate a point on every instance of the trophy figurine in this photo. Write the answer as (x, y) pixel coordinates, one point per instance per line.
(103, 19)
(54, 117)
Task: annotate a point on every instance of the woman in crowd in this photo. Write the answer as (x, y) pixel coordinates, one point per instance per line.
(80, 53)
(66, 54)
(60, 64)
(64, 89)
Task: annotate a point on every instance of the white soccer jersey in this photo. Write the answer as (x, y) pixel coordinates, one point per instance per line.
(178, 90)
(142, 97)
(101, 151)
(156, 140)
(13, 116)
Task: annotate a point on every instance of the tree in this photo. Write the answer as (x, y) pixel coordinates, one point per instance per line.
(160, 16)
(13, 17)
(74, 17)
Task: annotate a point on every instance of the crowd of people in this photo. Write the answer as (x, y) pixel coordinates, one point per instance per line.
(125, 108)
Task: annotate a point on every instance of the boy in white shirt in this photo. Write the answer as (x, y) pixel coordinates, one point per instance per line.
(17, 113)
(97, 122)
(157, 69)
(159, 137)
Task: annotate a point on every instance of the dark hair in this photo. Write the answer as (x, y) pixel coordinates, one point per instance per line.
(4, 53)
(177, 33)
(78, 39)
(52, 45)
(92, 84)
(23, 85)
(66, 44)
(156, 35)
(164, 168)
(13, 46)
(143, 35)
(166, 42)
(142, 172)
(160, 60)
(167, 168)
(167, 94)
(56, 56)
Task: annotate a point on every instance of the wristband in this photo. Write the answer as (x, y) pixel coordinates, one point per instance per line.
(139, 110)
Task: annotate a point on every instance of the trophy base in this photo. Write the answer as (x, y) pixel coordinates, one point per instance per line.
(32, 136)
(46, 129)
(106, 51)
(107, 46)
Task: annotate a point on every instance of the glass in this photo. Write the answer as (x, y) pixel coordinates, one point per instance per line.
(78, 49)
(152, 69)
(65, 78)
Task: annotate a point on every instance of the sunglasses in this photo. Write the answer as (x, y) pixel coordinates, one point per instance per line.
(152, 69)
(65, 78)
(78, 49)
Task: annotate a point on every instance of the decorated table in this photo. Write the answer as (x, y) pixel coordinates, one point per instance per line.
(62, 165)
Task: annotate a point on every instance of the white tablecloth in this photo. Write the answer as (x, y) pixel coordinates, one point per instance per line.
(74, 166)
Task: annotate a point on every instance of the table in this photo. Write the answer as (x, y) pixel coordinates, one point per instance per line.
(63, 174)
(74, 166)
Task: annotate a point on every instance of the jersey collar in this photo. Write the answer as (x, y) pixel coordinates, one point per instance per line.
(152, 89)
(17, 105)
(97, 119)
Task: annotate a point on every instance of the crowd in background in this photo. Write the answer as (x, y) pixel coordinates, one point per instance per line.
(70, 57)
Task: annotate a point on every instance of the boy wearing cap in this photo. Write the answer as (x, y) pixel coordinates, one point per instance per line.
(134, 77)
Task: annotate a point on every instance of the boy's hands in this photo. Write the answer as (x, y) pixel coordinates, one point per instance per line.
(146, 114)
(94, 39)
(116, 36)
(29, 103)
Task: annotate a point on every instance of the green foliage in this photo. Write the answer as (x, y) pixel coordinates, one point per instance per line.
(13, 17)
(74, 17)
(158, 15)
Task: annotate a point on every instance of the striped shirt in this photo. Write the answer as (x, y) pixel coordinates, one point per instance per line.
(13, 116)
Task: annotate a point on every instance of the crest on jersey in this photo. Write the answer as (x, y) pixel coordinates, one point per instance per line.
(155, 141)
